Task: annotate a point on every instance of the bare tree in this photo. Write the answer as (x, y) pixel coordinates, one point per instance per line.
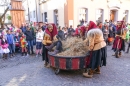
(4, 3)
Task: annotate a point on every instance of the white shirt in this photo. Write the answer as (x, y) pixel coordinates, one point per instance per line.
(85, 24)
(39, 36)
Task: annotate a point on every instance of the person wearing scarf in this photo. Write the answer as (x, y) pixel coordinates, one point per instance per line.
(119, 42)
(77, 31)
(82, 32)
(56, 43)
(50, 32)
(97, 50)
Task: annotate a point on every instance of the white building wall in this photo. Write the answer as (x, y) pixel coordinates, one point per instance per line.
(32, 8)
(25, 5)
(2, 9)
(49, 7)
(92, 5)
(126, 6)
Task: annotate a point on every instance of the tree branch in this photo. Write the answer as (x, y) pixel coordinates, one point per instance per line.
(5, 12)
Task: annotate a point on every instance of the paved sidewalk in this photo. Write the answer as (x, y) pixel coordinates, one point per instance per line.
(30, 71)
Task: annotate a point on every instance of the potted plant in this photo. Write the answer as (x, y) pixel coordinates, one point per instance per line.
(9, 18)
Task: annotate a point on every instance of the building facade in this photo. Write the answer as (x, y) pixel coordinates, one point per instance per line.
(52, 11)
(71, 12)
(32, 10)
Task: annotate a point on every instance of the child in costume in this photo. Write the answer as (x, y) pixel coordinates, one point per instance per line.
(128, 39)
(5, 49)
(23, 43)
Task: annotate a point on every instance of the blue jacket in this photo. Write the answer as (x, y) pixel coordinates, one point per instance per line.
(10, 38)
(113, 28)
(23, 28)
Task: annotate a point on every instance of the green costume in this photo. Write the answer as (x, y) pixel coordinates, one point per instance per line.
(128, 33)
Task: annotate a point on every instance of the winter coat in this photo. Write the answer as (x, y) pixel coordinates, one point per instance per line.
(29, 35)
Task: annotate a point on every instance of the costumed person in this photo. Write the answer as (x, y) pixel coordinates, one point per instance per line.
(4, 45)
(57, 42)
(97, 50)
(128, 39)
(39, 38)
(119, 42)
(50, 32)
(23, 44)
(77, 31)
(82, 32)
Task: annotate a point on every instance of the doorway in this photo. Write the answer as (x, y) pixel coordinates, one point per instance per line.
(114, 15)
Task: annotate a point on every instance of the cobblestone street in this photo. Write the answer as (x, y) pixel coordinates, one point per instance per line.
(30, 71)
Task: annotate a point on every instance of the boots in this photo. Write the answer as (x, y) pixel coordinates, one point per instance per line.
(120, 54)
(97, 71)
(45, 64)
(114, 54)
(128, 49)
(49, 47)
(48, 65)
(22, 53)
(26, 54)
(6, 56)
(88, 74)
(54, 52)
(32, 52)
(3, 56)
